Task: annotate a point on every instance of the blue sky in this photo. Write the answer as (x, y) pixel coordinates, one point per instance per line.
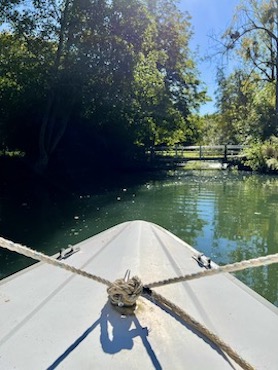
(208, 17)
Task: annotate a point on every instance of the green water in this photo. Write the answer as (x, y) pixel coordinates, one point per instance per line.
(228, 216)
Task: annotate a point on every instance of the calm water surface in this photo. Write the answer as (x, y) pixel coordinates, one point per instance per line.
(228, 216)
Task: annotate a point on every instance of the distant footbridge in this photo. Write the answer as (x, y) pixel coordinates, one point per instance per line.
(179, 155)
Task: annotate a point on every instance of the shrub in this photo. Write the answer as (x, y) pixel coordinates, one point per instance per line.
(263, 156)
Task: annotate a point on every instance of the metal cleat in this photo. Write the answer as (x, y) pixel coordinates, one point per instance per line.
(65, 253)
(203, 261)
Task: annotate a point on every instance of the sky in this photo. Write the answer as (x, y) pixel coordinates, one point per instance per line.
(209, 17)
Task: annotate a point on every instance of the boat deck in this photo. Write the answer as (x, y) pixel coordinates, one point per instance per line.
(51, 318)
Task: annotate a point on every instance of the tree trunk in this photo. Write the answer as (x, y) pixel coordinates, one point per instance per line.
(49, 118)
(43, 159)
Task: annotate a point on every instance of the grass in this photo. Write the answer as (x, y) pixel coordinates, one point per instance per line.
(12, 153)
(201, 165)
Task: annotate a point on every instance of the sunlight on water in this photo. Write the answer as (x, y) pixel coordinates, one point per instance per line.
(227, 216)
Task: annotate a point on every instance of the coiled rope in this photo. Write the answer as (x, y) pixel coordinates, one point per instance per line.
(124, 292)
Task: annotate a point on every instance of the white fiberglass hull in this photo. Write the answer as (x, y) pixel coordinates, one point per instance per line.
(51, 318)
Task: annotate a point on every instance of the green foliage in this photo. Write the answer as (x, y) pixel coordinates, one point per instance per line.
(263, 156)
(247, 98)
(253, 36)
(118, 70)
(235, 100)
(246, 110)
(21, 92)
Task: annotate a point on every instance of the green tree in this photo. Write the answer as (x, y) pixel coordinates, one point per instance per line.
(254, 36)
(245, 107)
(21, 92)
(61, 25)
(119, 69)
(172, 87)
(238, 116)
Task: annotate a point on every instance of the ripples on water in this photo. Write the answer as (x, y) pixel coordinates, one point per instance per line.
(228, 216)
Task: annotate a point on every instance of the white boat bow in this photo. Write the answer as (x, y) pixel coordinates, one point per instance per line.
(51, 318)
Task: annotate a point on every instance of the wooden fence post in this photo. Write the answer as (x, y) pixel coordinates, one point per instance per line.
(225, 153)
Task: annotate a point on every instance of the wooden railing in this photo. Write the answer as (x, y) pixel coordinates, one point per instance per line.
(197, 152)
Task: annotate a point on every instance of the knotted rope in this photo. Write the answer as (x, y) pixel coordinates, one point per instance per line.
(125, 292)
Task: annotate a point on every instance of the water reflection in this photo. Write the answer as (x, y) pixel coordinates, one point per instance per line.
(228, 216)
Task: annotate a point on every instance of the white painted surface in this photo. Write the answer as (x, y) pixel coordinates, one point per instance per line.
(50, 318)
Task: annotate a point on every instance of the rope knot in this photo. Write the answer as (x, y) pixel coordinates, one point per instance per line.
(124, 292)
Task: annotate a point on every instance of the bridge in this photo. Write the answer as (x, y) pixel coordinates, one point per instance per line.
(179, 155)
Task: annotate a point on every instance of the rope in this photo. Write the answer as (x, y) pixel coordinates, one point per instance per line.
(202, 329)
(38, 256)
(124, 292)
(254, 262)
